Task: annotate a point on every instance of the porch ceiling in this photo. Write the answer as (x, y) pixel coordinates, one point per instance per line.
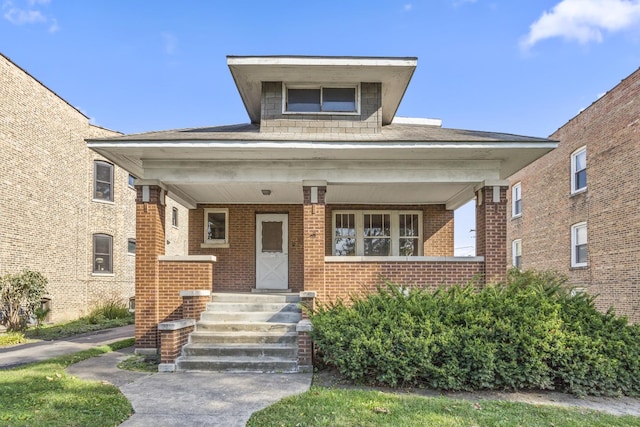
(368, 172)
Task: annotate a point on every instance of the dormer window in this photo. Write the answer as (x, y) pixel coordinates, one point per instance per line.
(322, 99)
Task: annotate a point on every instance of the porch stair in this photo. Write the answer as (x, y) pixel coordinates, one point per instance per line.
(245, 333)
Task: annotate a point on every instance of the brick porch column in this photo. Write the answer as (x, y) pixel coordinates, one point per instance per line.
(491, 230)
(313, 226)
(150, 243)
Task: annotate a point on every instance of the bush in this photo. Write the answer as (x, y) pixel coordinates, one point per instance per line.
(12, 338)
(110, 308)
(528, 333)
(20, 296)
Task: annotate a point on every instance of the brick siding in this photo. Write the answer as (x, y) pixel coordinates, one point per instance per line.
(344, 278)
(609, 129)
(47, 213)
(235, 268)
(491, 233)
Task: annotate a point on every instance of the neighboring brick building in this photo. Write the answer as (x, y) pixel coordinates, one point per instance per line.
(324, 191)
(53, 205)
(578, 210)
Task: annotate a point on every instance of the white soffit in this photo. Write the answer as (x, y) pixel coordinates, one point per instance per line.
(250, 71)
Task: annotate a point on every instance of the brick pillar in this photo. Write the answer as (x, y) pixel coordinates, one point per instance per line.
(313, 226)
(491, 231)
(150, 243)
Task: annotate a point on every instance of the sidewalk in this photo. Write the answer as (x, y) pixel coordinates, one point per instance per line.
(43, 350)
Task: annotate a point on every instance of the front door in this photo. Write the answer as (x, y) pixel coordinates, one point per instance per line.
(272, 257)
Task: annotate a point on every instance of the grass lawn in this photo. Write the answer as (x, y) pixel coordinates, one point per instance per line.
(42, 394)
(323, 406)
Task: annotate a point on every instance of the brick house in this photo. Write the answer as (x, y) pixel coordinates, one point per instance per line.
(65, 211)
(575, 210)
(324, 192)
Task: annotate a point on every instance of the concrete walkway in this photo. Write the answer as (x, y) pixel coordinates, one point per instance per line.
(191, 398)
(43, 350)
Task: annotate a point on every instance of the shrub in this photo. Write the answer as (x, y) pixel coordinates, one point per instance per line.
(12, 338)
(109, 308)
(20, 295)
(527, 333)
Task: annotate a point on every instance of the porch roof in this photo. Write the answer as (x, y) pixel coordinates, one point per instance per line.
(403, 164)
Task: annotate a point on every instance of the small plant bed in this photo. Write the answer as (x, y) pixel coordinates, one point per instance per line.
(43, 394)
(530, 333)
(337, 407)
(140, 363)
(109, 313)
(75, 327)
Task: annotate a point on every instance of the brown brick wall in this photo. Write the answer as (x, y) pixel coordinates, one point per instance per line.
(47, 215)
(491, 233)
(609, 128)
(172, 343)
(368, 121)
(235, 268)
(176, 276)
(344, 278)
(314, 229)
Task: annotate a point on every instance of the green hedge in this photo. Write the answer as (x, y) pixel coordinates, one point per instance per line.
(527, 333)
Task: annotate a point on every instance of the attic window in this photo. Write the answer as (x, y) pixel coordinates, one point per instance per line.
(321, 100)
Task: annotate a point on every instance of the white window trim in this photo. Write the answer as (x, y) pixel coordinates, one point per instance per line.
(514, 251)
(209, 243)
(111, 200)
(321, 86)
(574, 243)
(394, 219)
(575, 154)
(514, 189)
(110, 271)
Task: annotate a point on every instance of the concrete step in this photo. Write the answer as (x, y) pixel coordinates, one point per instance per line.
(237, 364)
(254, 306)
(222, 338)
(252, 316)
(255, 298)
(213, 326)
(282, 350)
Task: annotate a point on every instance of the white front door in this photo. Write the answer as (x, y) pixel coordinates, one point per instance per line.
(272, 257)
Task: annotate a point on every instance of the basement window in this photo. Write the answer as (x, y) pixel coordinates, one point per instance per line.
(321, 99)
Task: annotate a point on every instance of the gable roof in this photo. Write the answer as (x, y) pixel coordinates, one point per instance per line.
(393, 72)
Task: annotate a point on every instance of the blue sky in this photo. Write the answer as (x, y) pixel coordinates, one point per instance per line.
(523, 67)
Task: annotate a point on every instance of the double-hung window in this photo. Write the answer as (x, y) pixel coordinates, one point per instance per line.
(516, 253)
(377, 233)
(579, 245)
(174, 216)
(516, 200)
(103, 181)
(321, 99)
(216, 226)
(102, 254)
(579, 170)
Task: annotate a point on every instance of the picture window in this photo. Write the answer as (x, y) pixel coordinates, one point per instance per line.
(377, 233)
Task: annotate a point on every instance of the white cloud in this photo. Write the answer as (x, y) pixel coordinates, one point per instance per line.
(583, 20)
(28, 12)
(170, 43)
